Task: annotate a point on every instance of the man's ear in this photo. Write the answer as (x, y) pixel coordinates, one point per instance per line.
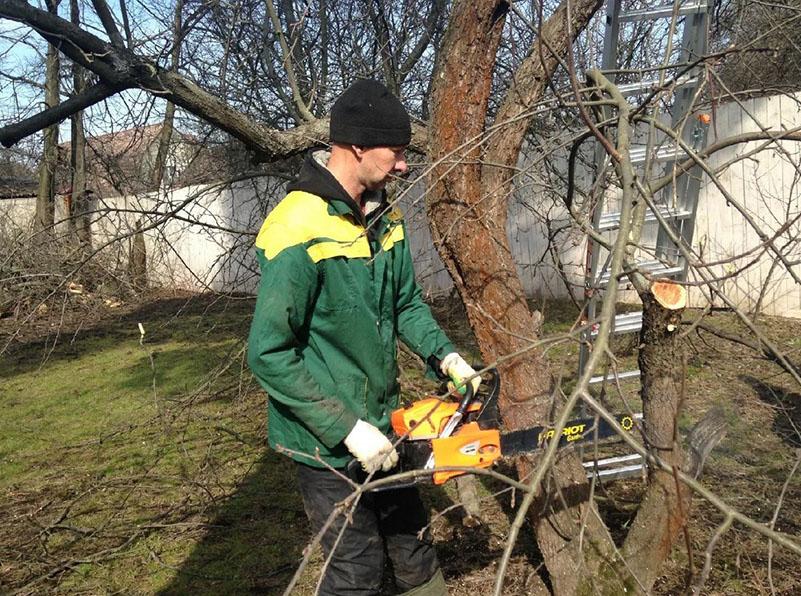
(358, 150)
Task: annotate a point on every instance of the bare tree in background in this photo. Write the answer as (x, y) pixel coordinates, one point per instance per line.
(78, 197)
(766, 38)
(169, 113)
(46, 195)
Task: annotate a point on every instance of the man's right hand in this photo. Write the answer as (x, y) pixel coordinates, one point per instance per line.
(371, 448)
(455, 367)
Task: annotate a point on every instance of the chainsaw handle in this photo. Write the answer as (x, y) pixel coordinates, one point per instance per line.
(493, 384)
(492, 387)
(467, 400)
(469, 394)
(488, 416)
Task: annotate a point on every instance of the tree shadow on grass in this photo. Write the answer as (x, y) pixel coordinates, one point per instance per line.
(176, 371)
(255, 539)
(787, 419)
(206, 317)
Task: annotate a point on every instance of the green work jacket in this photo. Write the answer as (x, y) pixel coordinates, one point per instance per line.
(336, 292)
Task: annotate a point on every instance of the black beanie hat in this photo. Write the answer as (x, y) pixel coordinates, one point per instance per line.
(367, 114)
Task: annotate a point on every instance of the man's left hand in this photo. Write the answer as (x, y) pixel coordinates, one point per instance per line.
(455, 367)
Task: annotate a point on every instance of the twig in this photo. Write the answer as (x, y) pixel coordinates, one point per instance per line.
(722, 529)
(776, 516)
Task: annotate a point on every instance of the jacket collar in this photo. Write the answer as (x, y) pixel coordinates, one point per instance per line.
(316, 179)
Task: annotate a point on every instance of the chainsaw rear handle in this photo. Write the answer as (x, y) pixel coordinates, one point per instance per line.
(435, 364)
(469, 395)
(493, 384)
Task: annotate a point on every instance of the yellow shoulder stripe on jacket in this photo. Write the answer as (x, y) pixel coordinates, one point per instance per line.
(326, 250)
(302, 217)
(394, 235)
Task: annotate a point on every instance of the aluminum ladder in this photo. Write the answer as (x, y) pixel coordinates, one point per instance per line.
(677, 205)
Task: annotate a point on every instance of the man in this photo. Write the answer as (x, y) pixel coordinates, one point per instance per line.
(337, 291)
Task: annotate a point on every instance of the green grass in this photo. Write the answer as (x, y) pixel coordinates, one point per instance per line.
(84, 398)
(143, 468)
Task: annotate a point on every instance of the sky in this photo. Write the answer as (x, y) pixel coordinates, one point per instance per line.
(22, 56)
(20, 59)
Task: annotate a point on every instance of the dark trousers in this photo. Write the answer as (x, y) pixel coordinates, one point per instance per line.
(387, 521)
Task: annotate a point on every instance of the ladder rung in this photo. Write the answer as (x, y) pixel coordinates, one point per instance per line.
(671, 153)
(629, 374)
(611, 220)
(651, 85)
(625, 323)
(616, 473)
(653, 268)
(660, 12)
(613, 461)
(660, 150)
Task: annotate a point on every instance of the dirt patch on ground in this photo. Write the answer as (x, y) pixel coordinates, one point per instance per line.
(752, 470)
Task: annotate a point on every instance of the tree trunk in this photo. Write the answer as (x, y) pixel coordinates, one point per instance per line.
(165, 135)
(46, 193)
(664, 510)
(474, 251)
(467, 494)
(137, 261)
(79, 203)
(469, 229)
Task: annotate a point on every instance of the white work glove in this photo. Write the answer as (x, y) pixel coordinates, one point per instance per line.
(459, 371)
(371, 448)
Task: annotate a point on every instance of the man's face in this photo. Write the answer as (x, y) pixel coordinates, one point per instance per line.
(379, 164)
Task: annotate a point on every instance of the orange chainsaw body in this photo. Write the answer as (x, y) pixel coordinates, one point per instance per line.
(468, 447)
(426, 418)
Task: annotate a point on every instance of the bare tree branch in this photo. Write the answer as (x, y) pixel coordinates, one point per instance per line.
(165, 134)
(11, 134)
(432, 20)
(109, 25)
(125, 24)
(121, 68)
(289, 67)
(379, 21)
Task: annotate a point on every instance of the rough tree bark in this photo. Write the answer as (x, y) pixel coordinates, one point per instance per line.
(467, 206)
(665, 507)
(137, 259)
(79, 199)
(46, 193)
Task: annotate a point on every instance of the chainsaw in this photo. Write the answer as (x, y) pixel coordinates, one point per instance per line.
(433, 433)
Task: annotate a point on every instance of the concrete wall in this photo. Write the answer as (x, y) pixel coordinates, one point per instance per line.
(766, 186)
(197, 237)
(201, 237)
